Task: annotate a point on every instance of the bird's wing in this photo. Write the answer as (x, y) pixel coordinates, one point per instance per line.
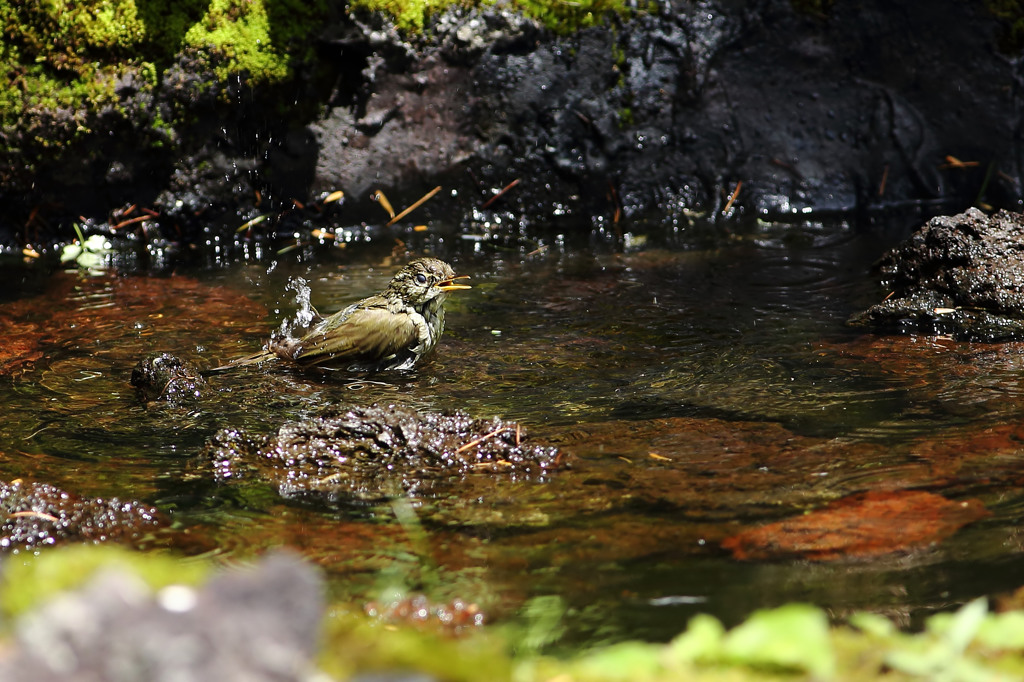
(363, 333)
(254, 359)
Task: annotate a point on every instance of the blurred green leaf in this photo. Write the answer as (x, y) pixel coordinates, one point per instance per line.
(965, 624)
(702, 640)
(623, 661)
(791, 637)
(1003, 631)
(873, 624)
(544, 623)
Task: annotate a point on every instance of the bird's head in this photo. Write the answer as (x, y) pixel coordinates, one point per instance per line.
(425, 279)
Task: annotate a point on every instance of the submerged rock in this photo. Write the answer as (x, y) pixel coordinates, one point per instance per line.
(375, 451)
(39, 514)
(167, 377)
(959, 275)
(859, 526)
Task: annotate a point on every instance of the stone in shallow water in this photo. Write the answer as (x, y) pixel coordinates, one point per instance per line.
(167, 377)
(39, 514)
(960, 275)
(379, 450)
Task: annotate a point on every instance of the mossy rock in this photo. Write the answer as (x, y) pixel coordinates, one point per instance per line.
(561, 17)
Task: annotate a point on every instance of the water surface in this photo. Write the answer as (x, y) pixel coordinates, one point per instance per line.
(702, 379)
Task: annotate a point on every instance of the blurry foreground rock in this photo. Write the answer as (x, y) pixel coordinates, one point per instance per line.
(371, 452)
(38, 515)
(167, 377)
(960, 275)
(252, 625)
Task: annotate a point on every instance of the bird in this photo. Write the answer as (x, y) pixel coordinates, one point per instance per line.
(391, 330)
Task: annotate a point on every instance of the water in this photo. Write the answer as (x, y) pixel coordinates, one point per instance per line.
(703, 380)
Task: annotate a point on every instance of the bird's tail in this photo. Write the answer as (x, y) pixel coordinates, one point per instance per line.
(254, 359)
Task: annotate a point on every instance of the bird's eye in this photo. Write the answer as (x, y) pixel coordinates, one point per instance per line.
(421, 278)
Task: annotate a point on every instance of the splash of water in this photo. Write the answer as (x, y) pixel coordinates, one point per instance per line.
(305, 313)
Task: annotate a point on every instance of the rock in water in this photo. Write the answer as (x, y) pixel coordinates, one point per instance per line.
(41, 515)
(959, 275)
(167, 377)
(372, 452)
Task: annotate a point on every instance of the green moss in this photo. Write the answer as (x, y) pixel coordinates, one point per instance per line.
(68, 34)
(568, 17)
(354, 644)
(169, 22)
(60, 55)
(34, 580)
(61, 61)
(239, 31)
(408, 15)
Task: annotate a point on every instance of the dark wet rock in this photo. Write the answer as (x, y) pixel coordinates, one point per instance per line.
(256, 624)
(960, 275)
(167, 377)
(377, 451)
(670, 109)
(40, 515)
(666, 110)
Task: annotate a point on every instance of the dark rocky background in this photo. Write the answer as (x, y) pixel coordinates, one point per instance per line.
(830, 107)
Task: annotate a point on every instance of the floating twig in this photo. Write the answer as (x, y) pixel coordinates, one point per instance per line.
(379, 197)
(481, 439)
(885, 178)
(499, 194)
(732, 197)
(412, 208)
(497, 462)
(34, 515)
(788, 167)
(290, 247)
(1009, 178)
(250, 223)
(131, 221)
(953, 162)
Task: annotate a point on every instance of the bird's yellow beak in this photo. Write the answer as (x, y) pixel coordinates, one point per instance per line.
(450, 285)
